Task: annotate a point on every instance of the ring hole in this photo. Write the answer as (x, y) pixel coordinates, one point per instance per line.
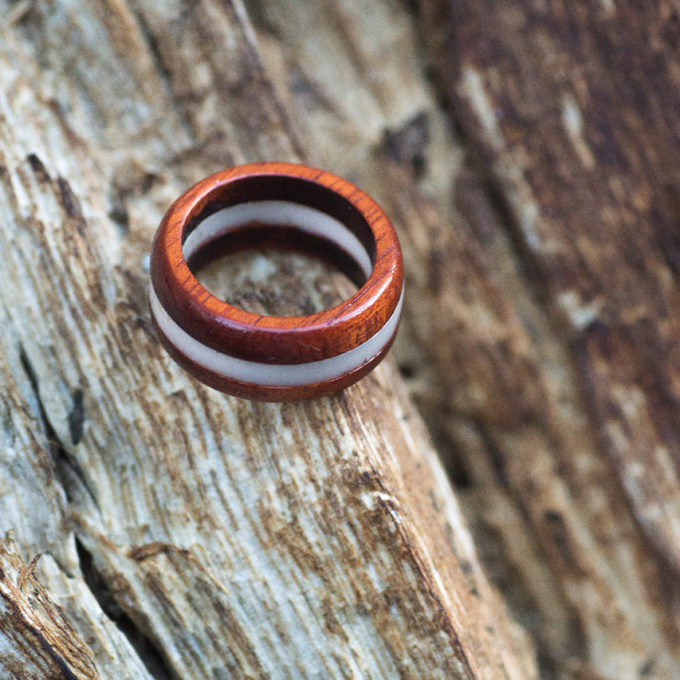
(276, 274)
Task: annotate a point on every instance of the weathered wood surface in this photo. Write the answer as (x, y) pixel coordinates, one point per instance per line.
(531, 170)
(219, 538)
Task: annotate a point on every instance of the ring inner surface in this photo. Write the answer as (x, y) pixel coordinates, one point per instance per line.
(281, 225)
(296, 190)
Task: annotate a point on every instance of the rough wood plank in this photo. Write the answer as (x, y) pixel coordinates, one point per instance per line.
(317, 539)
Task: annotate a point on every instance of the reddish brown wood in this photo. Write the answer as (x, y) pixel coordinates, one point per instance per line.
(272, 339)
(245, 390)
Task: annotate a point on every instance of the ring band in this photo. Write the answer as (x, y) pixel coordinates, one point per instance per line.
(276, 358)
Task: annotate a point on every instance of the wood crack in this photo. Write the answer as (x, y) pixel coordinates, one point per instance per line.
(148, 653)
(66, 466)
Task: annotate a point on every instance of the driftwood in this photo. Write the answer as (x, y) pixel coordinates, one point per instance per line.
(527, 153)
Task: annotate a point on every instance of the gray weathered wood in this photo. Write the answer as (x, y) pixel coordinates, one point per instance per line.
(186, 533)
(527, 153)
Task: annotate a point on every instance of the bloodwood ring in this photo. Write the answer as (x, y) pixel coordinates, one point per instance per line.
(276, 358)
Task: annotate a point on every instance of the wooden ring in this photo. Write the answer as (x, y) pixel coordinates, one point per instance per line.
(276, 358)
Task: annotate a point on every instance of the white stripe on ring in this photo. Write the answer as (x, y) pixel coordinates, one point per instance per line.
(282, 213)
(279, 375)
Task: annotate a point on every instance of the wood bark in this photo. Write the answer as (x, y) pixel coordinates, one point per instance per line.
(525, 152)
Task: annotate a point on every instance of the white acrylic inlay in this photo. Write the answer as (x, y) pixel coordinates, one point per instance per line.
(281, 375)
(281, 213)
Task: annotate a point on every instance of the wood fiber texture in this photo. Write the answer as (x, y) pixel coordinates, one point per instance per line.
(568, 113)
(184, 533)
(526, 153)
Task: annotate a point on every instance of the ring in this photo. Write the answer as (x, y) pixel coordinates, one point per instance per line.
(276, 358)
